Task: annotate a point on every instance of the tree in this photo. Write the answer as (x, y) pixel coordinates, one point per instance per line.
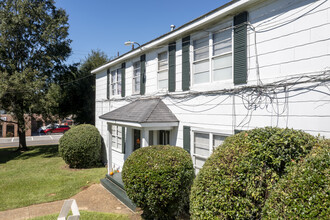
(33, 46)
(78, 89)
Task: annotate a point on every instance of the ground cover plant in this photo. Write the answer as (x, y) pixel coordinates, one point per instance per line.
(236, 180)
(87, 215)
(158, 180)
(304, 192)
(80, 147)
(40, 175)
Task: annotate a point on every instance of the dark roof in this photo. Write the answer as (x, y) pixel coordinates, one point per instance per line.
(142, 111)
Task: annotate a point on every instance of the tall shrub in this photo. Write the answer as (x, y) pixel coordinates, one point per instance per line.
(235, 181)
(304, 192)
(158, 180)
(80, 147)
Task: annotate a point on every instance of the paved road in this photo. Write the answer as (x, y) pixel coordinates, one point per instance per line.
(31, 141)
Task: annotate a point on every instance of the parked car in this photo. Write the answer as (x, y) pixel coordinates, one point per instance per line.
(56, 129)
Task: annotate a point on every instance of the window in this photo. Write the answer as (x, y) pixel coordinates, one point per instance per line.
(220, 57)
(162, 70)
(202, 149)
(164, 137)
(201, 60)
(136, 76)
(116, 82)
(116, 138)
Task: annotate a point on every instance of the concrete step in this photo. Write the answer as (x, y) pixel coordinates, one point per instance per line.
(117, 191)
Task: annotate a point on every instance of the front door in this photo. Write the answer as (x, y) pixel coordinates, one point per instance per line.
(137, 139)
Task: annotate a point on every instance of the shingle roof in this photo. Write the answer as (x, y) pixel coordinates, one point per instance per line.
(142, 111)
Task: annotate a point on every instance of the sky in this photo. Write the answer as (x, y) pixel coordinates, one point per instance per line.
(107, 24)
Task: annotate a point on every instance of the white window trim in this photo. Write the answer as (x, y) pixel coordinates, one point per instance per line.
(158, 71)
(200, 35)
(116, 136)
(117, 69)
(133, 84)
(211, 134)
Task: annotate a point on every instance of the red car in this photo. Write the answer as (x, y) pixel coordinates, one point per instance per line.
(57, 129)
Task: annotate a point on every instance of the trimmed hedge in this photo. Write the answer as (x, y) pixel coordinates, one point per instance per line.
(158, 180)
(80, 147)
(304, 192)
(235, 181)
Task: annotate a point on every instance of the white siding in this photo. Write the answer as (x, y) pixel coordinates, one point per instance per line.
(292, 40)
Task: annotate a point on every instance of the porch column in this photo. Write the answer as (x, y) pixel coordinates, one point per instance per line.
(108, 147)
(145, 137)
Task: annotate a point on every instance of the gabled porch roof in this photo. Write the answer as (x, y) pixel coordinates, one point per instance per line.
(143, 113)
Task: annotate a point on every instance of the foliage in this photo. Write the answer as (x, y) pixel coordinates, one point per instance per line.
(33, 47)
(304, 192)
(77, 87)
(80, 147)
(235, 181)
(87, 215)
(40, 175)
(158, 180)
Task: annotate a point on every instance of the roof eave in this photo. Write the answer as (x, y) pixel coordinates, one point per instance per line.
(218, 13)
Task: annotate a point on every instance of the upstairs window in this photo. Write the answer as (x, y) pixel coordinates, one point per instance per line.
(116, 82)
(201, 60)
(222, 55)
(163, 71)
(136, 77)
(212, 57)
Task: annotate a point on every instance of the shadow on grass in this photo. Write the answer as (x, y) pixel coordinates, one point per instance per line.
(46, 151)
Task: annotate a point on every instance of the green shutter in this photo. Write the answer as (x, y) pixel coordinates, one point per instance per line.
(171, 67)
(108, 84)
(240, 48)
(123, 140)
(143, 75)
(186, 138)
(123, 69)
(185, 63)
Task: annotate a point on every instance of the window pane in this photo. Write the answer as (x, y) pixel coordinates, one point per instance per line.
(113, 76)
(201, 144)
(222, 42)
(218, 140)
(162, 61)
(162, 84)
(222, 74)
(201, 48)
(201, 72)
(136, 77)
(201, 66)
(222, 67)
(119, 75)
(199, 162)
(162, 75)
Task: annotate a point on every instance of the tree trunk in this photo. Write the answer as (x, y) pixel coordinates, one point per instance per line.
(21, 133)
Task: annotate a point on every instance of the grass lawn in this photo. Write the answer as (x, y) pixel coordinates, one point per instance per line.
(40, 175)
(86, 215)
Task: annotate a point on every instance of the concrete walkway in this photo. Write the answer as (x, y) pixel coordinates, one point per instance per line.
(94, 198)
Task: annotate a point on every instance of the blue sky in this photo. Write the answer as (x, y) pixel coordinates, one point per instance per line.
(107, 24)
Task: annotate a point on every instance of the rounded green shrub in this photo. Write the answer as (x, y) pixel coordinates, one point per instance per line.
(158, 180)
(304, 192)
(235, 181)
(80, 147)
